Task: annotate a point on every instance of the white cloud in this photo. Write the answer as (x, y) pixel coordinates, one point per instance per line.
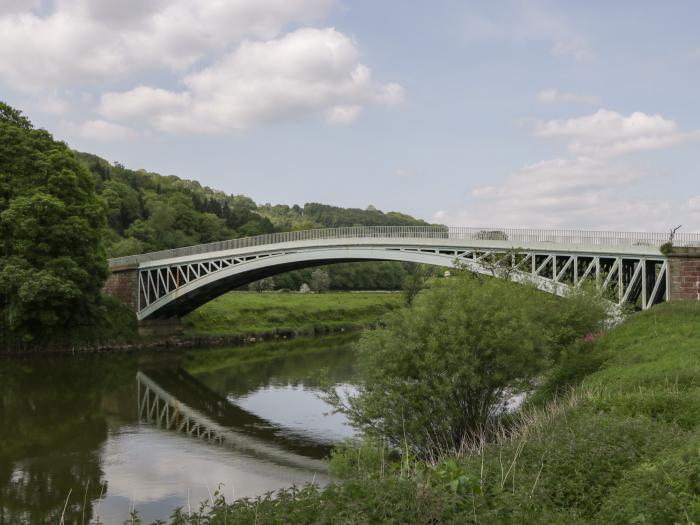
(142, 101)
(306, 71)
(344, 114)
(608, 133)
(102, 131)
(86, 41)
(561, 193)
(574, 48)
(554, 95)
(694, 204)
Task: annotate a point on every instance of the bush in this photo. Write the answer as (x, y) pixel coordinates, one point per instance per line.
(114, 322)
(440, 372)
(573, 364)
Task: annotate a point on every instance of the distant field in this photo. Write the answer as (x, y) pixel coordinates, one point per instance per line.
(246, 312)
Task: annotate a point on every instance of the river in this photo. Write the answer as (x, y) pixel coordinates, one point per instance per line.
(101, 435)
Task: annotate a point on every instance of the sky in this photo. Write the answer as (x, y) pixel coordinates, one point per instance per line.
(487, 113)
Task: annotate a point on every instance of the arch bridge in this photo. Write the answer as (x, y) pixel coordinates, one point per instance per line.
(627, 267)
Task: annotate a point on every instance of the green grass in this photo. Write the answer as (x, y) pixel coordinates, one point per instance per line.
(250, 312)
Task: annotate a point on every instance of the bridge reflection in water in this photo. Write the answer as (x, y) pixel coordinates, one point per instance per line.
(172, 399)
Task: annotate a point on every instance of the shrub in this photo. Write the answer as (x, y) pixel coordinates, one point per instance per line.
(574, 363)
(441, 371)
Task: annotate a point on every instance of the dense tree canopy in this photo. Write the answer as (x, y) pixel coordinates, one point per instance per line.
(52, 263)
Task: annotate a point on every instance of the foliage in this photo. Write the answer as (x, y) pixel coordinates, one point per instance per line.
(574, 363)
(320, 281)
(439, 373)
(369, 275)
(296, 217)
(263, 285)
(666, 248)
(415, 280)
(52, 263)
(661, 492)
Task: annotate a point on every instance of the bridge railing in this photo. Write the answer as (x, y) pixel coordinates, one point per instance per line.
(578, 237)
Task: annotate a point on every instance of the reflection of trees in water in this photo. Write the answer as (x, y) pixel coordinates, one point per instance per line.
(291, 363)
(51, 431)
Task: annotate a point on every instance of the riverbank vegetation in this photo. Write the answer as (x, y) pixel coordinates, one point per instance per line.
(611, 433)
(296, 313)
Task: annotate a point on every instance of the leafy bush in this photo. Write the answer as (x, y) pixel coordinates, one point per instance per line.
(573, 364)
(440, 372)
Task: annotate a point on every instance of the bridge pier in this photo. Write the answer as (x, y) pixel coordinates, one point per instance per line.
(123, 283)
(684, 265)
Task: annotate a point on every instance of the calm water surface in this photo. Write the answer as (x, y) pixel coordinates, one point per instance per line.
(110, 433)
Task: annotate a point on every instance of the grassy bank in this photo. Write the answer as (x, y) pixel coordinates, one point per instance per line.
(621, 446)
(250, 312)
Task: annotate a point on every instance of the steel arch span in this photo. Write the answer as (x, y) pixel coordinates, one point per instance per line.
(629, 267)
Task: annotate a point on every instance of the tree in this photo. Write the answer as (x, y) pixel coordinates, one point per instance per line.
(320, 281)
(122, 205)
(263, 285)
(415, 280)
(52, 262)
(439, 373)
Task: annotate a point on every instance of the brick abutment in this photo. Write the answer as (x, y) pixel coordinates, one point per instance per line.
(684, 265)
(123, 284)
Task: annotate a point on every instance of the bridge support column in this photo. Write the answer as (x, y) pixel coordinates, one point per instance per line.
(123, 283)
(160, 327)
(684, 266)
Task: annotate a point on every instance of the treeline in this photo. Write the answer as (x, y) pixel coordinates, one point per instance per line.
(150, 212)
